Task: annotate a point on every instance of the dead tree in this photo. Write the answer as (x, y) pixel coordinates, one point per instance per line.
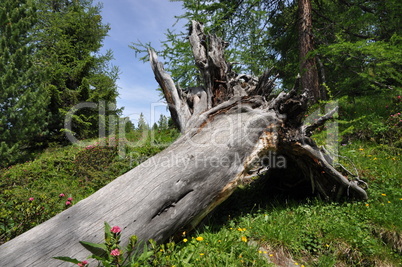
(228, 126)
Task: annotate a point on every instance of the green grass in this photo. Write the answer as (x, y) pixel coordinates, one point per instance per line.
(74, 171)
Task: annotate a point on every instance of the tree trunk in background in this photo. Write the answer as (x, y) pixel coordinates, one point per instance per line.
(232, 129)
(307, 65)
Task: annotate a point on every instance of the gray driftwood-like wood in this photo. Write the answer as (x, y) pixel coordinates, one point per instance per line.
(227, 126)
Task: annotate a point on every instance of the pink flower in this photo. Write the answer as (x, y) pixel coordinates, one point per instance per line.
(115, 252)
(82, 263)
(399, 97)
(62, 195)
(31, 199)
(115, 230)
(68, 203)
(70, 199)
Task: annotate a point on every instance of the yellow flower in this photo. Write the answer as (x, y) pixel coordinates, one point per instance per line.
(260, 251)
(271, 255)
(383, 195)
(201, 254)
(244, 239)
(185, 240)
(389, 201)
(361, 149)
(367, 204)
(200, 238)
(400, 199)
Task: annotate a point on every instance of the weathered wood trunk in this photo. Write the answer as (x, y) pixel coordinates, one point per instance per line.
(229, 126)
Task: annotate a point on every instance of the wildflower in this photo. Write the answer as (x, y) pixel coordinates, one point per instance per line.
(82, 263)
(62, 195)
(70, 199)
(201, 254)
(115, 230)
(244, 238)
(361, 149)
(260, 251)
(200, 238)
(68, 203)
(389, 201)
(31, 199)
(383, 195)
(115, 252)
(185, 240)
(367, 204)
(271, 255)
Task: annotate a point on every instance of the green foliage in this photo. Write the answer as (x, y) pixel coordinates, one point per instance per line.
(22, 97)
(69, 35)
(73, 171)
(357, 43)
(230, 250)
(364, 119)
(49, 63)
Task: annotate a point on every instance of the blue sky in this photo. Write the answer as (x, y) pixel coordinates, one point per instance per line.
(133, 21)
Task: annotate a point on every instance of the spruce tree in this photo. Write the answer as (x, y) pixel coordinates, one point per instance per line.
(70, 34)
(22, 99)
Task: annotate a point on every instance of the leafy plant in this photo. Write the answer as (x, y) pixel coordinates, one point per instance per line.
(110, 252)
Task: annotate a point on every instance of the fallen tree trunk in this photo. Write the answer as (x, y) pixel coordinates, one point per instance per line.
(230, 126)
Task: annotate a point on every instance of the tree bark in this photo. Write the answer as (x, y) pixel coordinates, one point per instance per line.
(307, 65)
(230, 127)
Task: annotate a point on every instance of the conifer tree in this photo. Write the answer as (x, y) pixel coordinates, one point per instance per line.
(70, 35)
(142, 124)
(22, 99)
